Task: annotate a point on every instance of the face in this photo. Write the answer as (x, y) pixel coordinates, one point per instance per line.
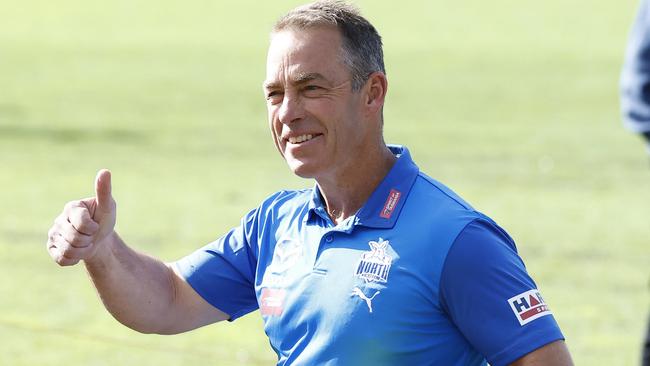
(315, 118)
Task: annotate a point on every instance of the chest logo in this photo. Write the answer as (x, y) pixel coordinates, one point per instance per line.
(375, 264)
(357, 292)
(286, 255)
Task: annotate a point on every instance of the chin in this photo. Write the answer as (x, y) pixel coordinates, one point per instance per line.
(302, 169)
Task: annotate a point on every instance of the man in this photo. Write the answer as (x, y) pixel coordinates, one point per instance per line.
(635, 100)
(635, 78)
(378, 264)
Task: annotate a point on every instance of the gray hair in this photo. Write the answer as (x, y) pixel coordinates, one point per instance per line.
(361, 43)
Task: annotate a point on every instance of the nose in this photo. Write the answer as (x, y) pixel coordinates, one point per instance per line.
(291, 109)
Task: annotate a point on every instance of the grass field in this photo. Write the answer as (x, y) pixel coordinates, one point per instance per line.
(514, 104)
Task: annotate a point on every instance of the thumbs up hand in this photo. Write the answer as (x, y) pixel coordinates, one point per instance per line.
(84, 226)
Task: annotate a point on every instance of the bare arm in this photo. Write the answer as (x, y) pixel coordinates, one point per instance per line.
(552, 354)
(145, 294)
(141, 292)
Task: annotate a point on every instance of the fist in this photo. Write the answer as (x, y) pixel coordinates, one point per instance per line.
(83, 226)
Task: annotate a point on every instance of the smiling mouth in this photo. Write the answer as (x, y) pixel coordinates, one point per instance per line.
(300, 139)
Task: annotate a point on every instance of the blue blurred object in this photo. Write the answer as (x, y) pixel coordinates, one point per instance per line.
(635, 78)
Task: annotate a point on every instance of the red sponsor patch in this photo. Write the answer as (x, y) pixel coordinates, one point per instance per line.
(391, 203)
(528, 306)
(272, 301)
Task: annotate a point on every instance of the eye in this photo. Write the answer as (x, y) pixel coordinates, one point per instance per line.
(274, 96)
(312, 90)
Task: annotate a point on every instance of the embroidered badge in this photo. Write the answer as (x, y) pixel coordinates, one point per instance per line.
(375, 265)
(391, 203)
(286, 255)
(528, 306)
(357, 292)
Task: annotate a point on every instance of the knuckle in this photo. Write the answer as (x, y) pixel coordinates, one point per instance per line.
(87, 226)
(60, 219)
(75, 213)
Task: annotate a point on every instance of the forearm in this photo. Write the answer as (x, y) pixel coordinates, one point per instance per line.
(136, 289)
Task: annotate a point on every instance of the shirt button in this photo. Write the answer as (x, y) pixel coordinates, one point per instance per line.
(329, 238)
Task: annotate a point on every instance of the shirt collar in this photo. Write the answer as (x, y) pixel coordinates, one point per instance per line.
(315, 205)
(385, 203)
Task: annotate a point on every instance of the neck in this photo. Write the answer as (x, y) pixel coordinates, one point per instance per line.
(348, 190)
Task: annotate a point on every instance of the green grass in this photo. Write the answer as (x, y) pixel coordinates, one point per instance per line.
(513, 104)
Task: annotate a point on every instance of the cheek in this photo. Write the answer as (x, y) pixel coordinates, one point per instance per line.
(271, 116)
(276, 129)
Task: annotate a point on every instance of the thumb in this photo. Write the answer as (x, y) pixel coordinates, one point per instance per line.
(103, 196)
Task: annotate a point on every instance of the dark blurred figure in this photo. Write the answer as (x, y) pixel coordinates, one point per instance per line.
(635, 99)
(635, 78)
(645, 358)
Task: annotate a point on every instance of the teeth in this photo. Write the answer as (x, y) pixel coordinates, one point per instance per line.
(299, 139)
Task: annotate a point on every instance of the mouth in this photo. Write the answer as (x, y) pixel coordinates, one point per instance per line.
(301, 139)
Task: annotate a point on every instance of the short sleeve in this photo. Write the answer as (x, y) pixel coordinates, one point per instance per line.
(488, 294)
(223, 272)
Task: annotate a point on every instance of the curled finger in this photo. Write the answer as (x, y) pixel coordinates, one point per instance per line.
(73, 237)
(82, 222)
(62, 252)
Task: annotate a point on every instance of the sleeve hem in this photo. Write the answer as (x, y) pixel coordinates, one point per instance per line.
(514, 352)
(241, 313)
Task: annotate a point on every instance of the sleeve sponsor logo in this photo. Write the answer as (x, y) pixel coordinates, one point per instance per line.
(528, 306)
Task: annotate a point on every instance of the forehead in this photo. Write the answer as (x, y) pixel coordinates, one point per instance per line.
(295, 52)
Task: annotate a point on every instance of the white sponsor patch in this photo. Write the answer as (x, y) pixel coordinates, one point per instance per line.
(528, 306)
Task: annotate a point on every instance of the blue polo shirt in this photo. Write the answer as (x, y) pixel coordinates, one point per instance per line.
(416, 277)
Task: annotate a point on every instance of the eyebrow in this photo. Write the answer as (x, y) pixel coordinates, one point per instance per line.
(306, 77)
(301, 78)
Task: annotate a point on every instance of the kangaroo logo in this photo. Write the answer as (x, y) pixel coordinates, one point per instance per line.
(357, 291)
(374, 265)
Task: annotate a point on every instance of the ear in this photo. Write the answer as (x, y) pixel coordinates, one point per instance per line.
(375, 92)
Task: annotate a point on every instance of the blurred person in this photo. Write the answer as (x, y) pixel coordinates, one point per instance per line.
(635, 98)
(645, 351)
(377, 264)
(635, 77)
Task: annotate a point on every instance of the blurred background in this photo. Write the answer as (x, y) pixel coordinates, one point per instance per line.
(514, 104)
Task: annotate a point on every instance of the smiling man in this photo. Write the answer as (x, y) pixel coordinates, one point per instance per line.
(378, 264)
